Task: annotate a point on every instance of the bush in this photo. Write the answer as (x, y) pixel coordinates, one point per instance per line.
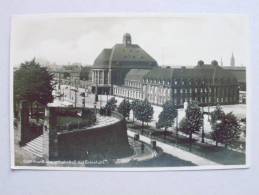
(111, 104)
(66, 112)
(105, 111)
(89, 115)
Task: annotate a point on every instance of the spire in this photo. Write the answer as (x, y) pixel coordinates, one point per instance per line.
(232, 60)
(221, 62)
(126, 39)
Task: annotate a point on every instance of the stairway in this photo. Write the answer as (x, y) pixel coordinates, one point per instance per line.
(35, 146)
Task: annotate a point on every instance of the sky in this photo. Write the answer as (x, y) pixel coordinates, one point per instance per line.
(169, 39)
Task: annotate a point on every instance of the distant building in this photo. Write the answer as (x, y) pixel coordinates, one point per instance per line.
(232, 60)
(240, 74)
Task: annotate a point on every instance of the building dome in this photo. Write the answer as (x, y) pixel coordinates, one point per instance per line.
(125, 55)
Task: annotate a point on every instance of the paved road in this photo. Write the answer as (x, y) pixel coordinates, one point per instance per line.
(179, 153)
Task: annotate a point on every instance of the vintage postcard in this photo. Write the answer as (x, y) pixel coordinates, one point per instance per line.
(129, 92)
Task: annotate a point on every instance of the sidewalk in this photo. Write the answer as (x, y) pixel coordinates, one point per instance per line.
(182, 154)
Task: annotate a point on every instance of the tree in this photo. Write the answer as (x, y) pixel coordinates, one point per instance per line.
(124, 108)
(33, 83)
(216, 115)
(194, 119)
(144, 112)
(167, 116)
(110, 105)
(227, 130)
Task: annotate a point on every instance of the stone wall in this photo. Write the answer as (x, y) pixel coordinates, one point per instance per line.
(99, 143)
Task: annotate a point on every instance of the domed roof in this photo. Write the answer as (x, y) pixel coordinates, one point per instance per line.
(126, 55)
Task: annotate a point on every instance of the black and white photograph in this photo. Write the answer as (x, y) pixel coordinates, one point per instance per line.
(129, 91)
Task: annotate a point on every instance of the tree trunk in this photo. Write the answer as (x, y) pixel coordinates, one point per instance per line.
(31, 105)
(142, 127)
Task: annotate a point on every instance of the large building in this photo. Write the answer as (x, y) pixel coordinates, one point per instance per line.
(205, 83)
(112, 65)
(126, 70)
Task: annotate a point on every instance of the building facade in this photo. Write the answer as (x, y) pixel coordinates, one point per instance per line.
(133, 85)
(207, 84)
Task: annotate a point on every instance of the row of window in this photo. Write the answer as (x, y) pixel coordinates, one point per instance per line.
(160, 100)
(135, 84)
(156, 90)
(125, 92)
(204, 90)
(214, 100)
(165, 91)
(188, 82)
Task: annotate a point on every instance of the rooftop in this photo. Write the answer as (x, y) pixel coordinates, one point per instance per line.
(125, 55)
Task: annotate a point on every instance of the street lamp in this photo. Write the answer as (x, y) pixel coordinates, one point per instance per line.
(202, 130)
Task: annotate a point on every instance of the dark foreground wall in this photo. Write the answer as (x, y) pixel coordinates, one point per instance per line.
(91, 144)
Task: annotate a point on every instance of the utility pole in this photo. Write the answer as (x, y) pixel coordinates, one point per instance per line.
(202, 130)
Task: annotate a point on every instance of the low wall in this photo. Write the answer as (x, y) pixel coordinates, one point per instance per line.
(98, 143)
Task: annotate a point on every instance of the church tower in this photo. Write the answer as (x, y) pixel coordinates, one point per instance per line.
(126, 39)
(232, 60)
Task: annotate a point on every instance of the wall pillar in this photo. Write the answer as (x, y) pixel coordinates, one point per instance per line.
(98, 76)
(23, 126)
(103, 77)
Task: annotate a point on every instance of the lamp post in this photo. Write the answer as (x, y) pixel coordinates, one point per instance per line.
(202, 129)
(177, 124)
(96, 98)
